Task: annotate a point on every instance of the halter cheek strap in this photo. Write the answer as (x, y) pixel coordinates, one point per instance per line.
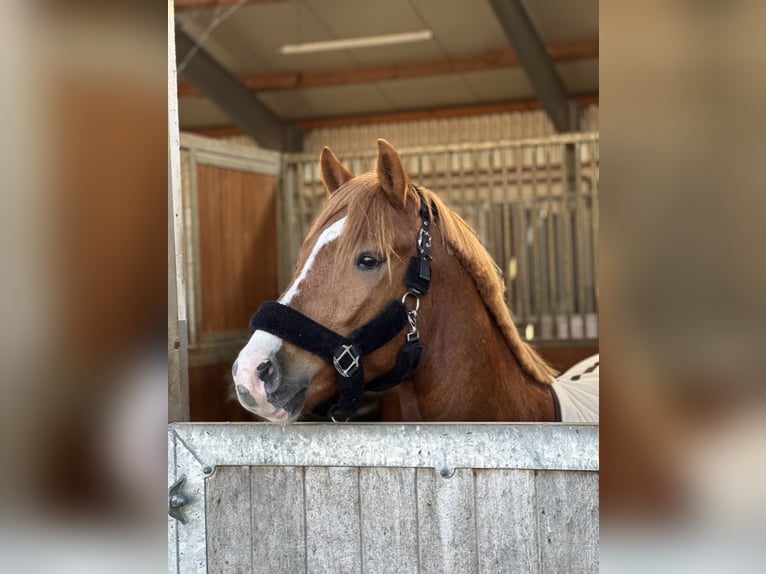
(346, 353)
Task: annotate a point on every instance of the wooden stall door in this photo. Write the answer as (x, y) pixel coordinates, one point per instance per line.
(238, 246)
(233, 239)
(398, 498)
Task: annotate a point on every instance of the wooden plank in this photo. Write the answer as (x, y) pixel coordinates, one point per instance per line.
(178, 380)
(489, 60)
(238, 246)
(389, 520)
(229, 537)
(506, 521)
(279, 543)
(178, 358)
(332, 520)
(567, 519)
(446, 525)
(403, 116)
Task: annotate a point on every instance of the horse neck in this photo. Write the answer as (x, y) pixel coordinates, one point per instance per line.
(468, 372)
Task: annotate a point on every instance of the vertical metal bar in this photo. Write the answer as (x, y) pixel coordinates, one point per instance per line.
(316, 181)
(461, 183)
(496, 248)
(567, 244)
(509, 267)
(449, 185)
(478, 201)
(551, 245)
(594, 220)
(300, 189)
(290, 245)
(523, 276)
(580, 237)
(432, 160)
(420, 168)
(536, 252)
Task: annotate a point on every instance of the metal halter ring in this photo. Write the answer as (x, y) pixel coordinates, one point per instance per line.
(414, 296)
(412, 317)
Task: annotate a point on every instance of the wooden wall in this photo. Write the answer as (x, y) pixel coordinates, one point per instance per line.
(238, 245)
(237, 227)
(401, 520)
(474, 128)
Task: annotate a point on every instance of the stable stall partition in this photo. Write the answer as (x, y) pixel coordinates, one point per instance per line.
(381, 498)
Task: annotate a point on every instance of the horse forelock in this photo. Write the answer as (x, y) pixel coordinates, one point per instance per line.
(371, 216)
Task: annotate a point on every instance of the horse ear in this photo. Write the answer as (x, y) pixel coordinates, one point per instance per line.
(391, 171)
(334, 174)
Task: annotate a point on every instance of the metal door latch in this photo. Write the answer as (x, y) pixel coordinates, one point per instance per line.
(177, 499)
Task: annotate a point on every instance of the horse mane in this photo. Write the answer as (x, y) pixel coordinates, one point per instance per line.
(370, 215)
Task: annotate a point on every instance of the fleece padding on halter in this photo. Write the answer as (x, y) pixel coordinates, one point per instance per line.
(294, 327)
(345, 353)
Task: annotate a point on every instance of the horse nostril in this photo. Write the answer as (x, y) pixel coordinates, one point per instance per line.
(234, 368)
(263, 369)
(268, 374)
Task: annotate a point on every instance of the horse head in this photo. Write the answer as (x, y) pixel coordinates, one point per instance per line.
(350, 274)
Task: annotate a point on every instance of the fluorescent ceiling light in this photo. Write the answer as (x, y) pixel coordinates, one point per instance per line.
(351, 43)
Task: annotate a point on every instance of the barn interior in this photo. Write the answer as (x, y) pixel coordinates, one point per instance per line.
(493, 105)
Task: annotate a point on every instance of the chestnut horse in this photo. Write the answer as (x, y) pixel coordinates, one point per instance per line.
(362, 307)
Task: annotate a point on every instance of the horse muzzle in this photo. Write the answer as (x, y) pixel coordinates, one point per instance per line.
(262, 385)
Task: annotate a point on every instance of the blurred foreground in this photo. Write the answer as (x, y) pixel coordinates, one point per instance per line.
(83, 199)
(683, 286)
(82, 293)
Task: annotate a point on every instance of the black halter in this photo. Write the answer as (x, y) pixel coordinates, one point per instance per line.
(346, 354)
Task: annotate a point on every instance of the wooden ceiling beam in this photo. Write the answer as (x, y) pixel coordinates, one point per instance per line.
(408, 116)
(540, 67)
(438, 113)
(186, 5)
(234, 99)
(491, 60)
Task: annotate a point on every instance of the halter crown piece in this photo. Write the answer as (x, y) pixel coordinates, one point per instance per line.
(346, 354)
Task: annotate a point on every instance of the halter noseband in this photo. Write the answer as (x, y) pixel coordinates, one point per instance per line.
(346, 353)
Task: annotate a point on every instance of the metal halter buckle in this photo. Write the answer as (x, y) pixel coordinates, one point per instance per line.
(353, 356)
(424, 243)
(412, 316)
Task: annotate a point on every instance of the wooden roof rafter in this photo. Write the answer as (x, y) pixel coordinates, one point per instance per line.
(560, 52)
(307, 125)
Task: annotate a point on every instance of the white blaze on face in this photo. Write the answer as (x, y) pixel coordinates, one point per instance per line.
(264, 346)
(327, 236)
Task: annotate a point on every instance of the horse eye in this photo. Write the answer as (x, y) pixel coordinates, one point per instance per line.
(368, 262)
